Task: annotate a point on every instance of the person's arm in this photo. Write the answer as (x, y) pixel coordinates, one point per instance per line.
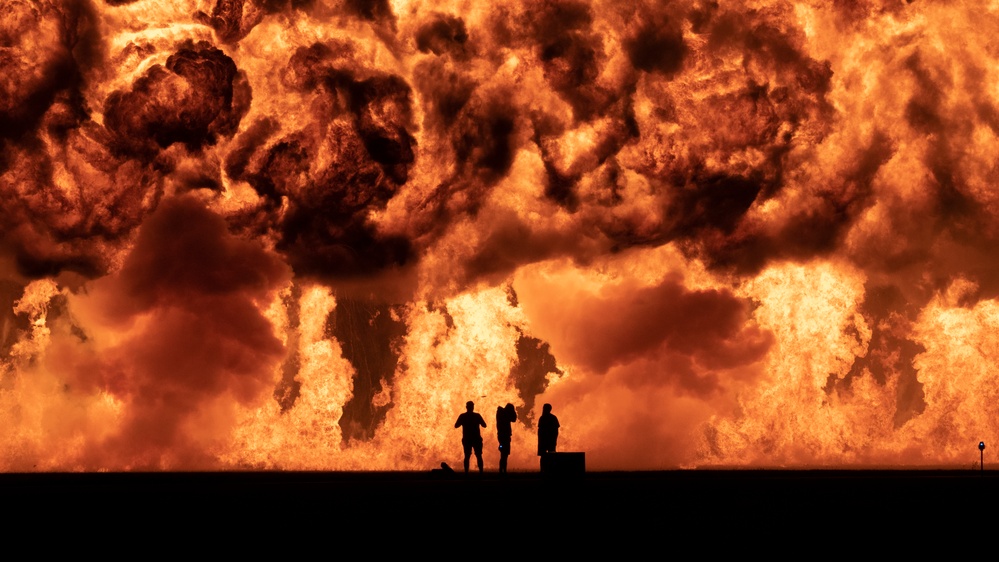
(482, 421)
(458, 423)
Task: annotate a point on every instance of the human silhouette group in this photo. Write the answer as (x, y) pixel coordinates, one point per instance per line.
(471, 438)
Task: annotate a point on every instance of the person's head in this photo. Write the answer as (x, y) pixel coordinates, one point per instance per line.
(547, 409)
(509, 408)
(469, 405)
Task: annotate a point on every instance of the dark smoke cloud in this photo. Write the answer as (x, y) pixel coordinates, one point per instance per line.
(891, 352)
(71, 207)
(179, 360)
(696, 200)
(574, 57)
(445, 90)
(370, 337)
(68, 203)
(481, 125)
(956, 207)
(535, 363)
(363, 117)
(442, 34)
(770, 44)
(381, 105)
(470, 126)
(472, 129)
(227, 20)
(571, 55)
(361, 132)
(371, 10)
(37, 62)
(714, 202)
(656, 44)
(809, 231)
(704, 328)
(509, 241)
(233, 20)
(943, 227)
(246, 144)
(484, 138)
(198, 97)
(694, 334)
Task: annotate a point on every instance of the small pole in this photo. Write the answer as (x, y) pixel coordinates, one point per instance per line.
(981, 454)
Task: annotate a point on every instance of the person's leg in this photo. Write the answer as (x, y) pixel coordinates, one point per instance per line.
(504, 454)
(478, 455)
(468, 454)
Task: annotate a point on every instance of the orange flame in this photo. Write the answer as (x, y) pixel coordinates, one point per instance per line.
(273, 234)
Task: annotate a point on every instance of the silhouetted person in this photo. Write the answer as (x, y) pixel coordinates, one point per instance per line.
(547, 431)
(469, 423)
(444, 471)
(505, 416)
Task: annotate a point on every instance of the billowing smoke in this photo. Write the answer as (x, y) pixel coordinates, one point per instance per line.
(302, 233)
(177, 370)
(194, 99)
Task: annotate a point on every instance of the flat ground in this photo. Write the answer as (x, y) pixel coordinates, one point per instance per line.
(775, 511)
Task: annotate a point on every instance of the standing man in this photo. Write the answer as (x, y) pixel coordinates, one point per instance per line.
(547, 431)
(505, 416)
(469, 422)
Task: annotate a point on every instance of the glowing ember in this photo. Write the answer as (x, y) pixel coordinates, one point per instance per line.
(302, 234)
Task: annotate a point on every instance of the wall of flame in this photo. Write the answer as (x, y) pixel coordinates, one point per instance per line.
(300, 234)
